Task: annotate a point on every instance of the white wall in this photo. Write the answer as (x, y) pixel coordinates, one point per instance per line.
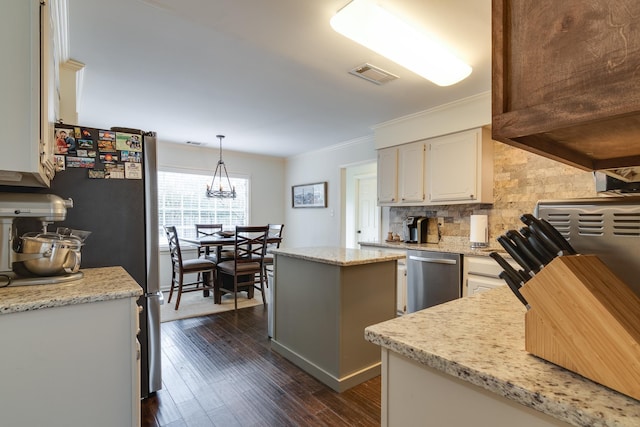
(308, 227)
(266, 174)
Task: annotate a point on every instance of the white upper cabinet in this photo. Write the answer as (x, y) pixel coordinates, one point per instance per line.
(461, 168)
(452, 169)
(401, 174)
(25, 79)
(411, 172)
(388, 175)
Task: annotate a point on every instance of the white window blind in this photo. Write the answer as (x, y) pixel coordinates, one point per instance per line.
(182, 202)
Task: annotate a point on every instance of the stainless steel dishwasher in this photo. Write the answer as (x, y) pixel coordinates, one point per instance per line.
(432, 278)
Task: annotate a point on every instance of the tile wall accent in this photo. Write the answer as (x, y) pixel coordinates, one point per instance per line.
(520, 180)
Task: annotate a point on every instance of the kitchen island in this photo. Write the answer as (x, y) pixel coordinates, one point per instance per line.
(70, 354)
(469, 354)
(323, 298)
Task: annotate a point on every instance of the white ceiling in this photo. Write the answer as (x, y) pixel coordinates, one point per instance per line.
(270, 75)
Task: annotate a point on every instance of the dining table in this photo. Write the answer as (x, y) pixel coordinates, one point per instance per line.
(217, 242)
(209, 242)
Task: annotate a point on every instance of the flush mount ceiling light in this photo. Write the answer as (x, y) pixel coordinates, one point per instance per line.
(217, 189)
(366, 23)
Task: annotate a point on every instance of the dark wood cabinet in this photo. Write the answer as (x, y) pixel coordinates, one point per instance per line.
(566, 80)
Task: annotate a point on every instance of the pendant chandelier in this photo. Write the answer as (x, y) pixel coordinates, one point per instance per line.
(216, 189)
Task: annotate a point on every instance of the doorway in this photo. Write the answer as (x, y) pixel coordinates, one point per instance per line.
(361, 213)
(367, 215)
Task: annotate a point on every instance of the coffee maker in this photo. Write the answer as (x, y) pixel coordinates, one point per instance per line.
(415, 229)
(47, 208)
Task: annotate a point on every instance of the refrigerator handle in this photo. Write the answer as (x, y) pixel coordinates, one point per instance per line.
(157, 295)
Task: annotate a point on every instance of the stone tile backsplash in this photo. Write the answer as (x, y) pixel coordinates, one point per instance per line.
(520, 180)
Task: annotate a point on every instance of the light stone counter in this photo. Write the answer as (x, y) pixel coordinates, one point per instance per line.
(437, 247)
(480, 340)
(98, 284)
(338, 256)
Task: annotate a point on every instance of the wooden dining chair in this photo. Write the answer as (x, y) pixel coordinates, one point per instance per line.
(201, 266)
(203, 230)
(275, 230)
(246, 269)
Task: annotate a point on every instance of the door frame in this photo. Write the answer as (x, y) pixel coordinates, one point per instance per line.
(349, 175)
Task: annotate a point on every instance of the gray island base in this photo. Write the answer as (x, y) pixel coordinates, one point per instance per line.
(323, 300)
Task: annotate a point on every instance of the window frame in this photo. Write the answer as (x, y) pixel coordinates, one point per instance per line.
(209, 174)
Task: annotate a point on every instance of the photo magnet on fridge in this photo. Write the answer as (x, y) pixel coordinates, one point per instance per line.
(133, 170)
(65, 142)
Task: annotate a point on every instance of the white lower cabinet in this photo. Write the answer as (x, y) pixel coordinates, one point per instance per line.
(71, 366)
(480, 273)
(417, 395)
(478, 284)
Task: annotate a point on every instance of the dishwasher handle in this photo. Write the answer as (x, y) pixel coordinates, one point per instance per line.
(433, 260)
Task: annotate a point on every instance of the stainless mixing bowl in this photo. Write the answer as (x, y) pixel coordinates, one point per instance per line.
(59, 254)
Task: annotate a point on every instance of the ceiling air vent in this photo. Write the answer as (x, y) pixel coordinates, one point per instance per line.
(373, 74)
(195, 143)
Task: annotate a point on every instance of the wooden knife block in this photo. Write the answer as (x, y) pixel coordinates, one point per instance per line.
(585, 319)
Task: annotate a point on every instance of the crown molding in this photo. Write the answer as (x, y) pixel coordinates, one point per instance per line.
(336, 147)
(459, 103)
(467, 113)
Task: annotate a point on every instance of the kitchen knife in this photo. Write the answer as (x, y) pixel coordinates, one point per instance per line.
(539, 249)
(543, 253)
(538, 232)
(548, 233)
(518, 277)
(525, 250)
(512, 250)
(514, 288)
(557, 236)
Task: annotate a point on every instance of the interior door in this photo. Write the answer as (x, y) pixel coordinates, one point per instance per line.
(368, 217)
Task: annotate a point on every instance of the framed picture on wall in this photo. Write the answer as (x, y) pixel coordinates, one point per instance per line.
(309, 195)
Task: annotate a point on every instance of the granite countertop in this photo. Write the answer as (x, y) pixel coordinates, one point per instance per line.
(437, 247)
(98, 284)
(338, 256)
(448, 337)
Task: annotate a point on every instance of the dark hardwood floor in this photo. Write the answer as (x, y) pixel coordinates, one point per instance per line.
(219, 370)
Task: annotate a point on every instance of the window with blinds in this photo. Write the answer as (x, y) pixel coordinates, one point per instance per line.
(182, 202)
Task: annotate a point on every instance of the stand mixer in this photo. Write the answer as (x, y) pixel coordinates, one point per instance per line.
(47, 208)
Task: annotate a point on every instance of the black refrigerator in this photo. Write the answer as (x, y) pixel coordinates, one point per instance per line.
(111, 177)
